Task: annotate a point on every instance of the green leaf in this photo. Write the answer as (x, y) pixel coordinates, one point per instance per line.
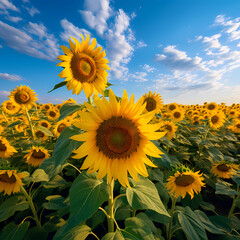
(144, 195)
(14, 124)
(64, 146)
(12, 205)
(14, 232)
(221, 222)
(215, 154)
(39, 175)
(96, 219)
(191, 225)
(61, 84)
(147, 221)
(137, 229)
(56, 182)
(236, 179)
(192, 203)
(235, 222)
(68, 109)
(45, 130)
(208, 225)
(87, 194)
(79, 232)
(55, 202)
(113, 236)
(225, 188)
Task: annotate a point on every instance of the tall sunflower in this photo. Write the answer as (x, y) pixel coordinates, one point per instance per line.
(170, 128)
(40, 135)
(212, 106)
(153, 101)
(117, 138)
(224, 169)
(53, 114)
(36, 156)
(84, 67)
(10, 107)
(6, 150)
(217, 119)
(10, 181)
(45, 124)
(177, 115)
(23, 96)
(235, 127)
(183, 182)
(60, 126)
(172, 106)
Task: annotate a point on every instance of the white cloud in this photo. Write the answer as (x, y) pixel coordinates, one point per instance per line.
(22, 41)
(4, 93)
(9, 77)
(32, 11)
(6, 5)
(141, 44)
(96, 14)
(72, 31)
(148, 68)
(138, 77)
(13, 19)
(133, 15)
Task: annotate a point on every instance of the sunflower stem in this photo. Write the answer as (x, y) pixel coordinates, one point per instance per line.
(5, 116)
(34, 212)
(30, 123)
(90, 100)
(233, 205)
(74, 167)
(110, 207)
(169, 230)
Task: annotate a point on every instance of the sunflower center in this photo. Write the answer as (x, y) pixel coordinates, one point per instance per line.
(46, 107)
(184, 180)
(61, 127)
(22, 97)
(40, 134)
(10, 106)
(177, 114)
(232, 113)
(52, 114)
(211, 107)
(214, 119)
(223, 167)
(2, 147)
(38, 155)
(151, 104)
(44, 124)
(83, 67)
(168, 127)
(172, 107)
(238, 125)
(117, 137)
(5, 178)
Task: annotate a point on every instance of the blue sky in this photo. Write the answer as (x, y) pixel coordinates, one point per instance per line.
(188, 51)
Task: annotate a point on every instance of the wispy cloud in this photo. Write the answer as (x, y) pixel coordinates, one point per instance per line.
(138, 77)
(9, 77)
(141, 44)
(13, 19)
(7, 5)
(148, 68)
(32, 11)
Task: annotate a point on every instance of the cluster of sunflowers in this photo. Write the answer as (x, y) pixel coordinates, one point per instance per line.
(180, 148)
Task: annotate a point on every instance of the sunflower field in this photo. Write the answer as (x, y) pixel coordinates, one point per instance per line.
(116, 168)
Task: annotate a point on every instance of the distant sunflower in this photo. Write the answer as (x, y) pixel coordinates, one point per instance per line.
(40, 135)
(36, 156)
(177, 115)
(166, 115)
(185, 182)
(60, 126)
(117, 138)
(84, 67)
(1, 129)
(153, 101)
(10, 181)
(217, 119)
(172, 106)
(10, 107)
(224, 170)
(52, 114)
(6, 150)
(23, 96)
(212, 106)
(235, 127)
(170, 128)
(47, 106)
(45, 123)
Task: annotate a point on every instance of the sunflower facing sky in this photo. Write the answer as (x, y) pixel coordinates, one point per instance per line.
(84, 67)
(183, 182)
(10, 107)
(153, 101)
(117, 138)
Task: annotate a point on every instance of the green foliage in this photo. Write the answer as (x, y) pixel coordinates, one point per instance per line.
(61, 84)
(68, 109)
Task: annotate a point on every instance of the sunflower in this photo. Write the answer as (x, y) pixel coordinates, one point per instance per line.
(184, 182)
(212, 106)
(23, 96)
(10, 107)
(45, 124)
(166, 115)
(1, 129)
(40, 135)
(60, 126)
(36, 156)
(224, 169)
(117, 138)
(47, 106)
(170, 128)
(53, 114)
(217, 119)
(177, 115)
(235, 127)
(84, 67)
(153, 101)
(172, 106)
(10, 181)
(6, 150)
